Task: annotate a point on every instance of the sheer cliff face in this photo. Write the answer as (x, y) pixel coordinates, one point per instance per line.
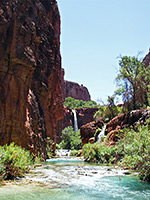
(74, 90)
(30, 70)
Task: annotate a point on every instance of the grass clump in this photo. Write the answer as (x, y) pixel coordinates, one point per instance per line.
(14, 161)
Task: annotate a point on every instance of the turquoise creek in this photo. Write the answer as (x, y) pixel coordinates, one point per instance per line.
(75, 180)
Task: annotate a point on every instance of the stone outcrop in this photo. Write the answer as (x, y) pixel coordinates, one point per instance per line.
(30, 73)
(88, 130)
(68, 117)
(115, 126)
(125, 120)
(85, 115)
(74, 90)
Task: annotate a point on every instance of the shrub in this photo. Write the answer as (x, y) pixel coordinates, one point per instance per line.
(132, 151)
(14, 161)
(74, 103)
(74, 152)
(70, 139)
(99, 152)
(49, 147)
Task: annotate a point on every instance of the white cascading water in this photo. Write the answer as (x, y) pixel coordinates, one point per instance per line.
(101, 134)
(75, 121)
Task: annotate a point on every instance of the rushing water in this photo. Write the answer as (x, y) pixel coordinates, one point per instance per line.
(75, 121)
(101, 134)
(76, 180)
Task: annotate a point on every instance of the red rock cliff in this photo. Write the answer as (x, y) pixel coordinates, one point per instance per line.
(74, 90)
(30, 73)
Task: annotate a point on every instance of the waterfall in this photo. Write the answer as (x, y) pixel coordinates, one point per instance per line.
(101, 134)
(63, 152)
(75, 121)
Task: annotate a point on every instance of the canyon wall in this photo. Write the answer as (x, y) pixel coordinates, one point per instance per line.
(30, 73)
(74, 90)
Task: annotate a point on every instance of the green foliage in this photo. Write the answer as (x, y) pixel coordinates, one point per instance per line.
(107, 112)
(14, 161)
(132, 151)
(74, 152)
(49, 147)
(133, 81)
(70, 139)
(98, 130)
(74, 103)
(100, 153)
(136, 151)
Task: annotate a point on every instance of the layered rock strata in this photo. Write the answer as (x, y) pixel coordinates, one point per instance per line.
(74, 90)
(30, 73)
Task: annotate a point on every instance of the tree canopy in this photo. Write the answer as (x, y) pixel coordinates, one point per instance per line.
(75, 103)
(133, 82)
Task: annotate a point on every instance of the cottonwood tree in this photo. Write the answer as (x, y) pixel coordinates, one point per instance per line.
(133, 82)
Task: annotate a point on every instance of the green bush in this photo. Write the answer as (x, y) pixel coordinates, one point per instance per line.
(70, 139)
(74, 152)
(49, 147)
(14, 161)
(100, 153)
(132, 151)
(74, 103)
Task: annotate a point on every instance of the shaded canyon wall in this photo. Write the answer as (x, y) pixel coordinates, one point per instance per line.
(30, 73)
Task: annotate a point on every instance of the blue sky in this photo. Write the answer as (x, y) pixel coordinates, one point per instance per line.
(94, 33)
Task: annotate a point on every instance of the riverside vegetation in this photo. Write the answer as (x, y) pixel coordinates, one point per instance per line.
(14, 161)
(131, 152)
(133, 148)
(70, 140)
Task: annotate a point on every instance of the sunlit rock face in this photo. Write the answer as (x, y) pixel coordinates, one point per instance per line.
(74, 90)
(30, 73)
(125, 120)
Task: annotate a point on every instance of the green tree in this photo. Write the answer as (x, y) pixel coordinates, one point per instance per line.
(75, 103)
(108, 111)
(133, 81)
(70, 139)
